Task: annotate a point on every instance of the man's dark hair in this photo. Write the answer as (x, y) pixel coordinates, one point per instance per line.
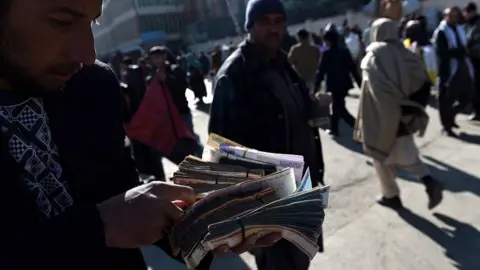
(471, 7)
(332, 36)
(303, 34)
(127, 61)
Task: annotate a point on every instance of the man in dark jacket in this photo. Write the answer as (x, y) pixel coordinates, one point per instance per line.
(63, 159)
(455, 71)
(473, 33)
(337, 65)
(261, 102)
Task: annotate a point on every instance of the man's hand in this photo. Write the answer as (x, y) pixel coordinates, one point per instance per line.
(142, 215)
(250, 243)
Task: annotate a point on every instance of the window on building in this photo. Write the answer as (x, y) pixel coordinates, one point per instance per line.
(170, 23)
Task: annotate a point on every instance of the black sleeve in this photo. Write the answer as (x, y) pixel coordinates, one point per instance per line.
(76, 236)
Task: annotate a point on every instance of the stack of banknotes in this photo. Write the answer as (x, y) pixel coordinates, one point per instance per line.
(242, 192)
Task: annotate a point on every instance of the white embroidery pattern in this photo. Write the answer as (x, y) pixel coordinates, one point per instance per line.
(42, 172)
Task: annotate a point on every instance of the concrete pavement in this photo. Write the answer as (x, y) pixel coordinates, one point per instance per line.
(361, 235)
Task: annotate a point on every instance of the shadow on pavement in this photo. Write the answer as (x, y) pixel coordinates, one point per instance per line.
(455, 180)
(350, 144)
(346, 139)
(460, 241)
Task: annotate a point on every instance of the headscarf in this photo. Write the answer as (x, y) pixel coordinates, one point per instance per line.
(391, 74)
(386, 56)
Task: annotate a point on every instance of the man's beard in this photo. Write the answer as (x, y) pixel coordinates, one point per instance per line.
(16, 76)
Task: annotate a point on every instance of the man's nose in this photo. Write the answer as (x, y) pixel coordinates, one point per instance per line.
(83, 49)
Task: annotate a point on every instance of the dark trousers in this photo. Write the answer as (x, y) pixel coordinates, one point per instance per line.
(455, 98)
(339, 111)
(281, 256)
(447, 108)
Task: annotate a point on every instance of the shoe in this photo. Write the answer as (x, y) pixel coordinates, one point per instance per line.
(434, 191)
(394, 203)
(455, 125)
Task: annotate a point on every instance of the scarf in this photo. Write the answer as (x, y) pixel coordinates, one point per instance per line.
(453, 44)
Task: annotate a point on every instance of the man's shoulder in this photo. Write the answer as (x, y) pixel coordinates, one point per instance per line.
(97, 81)
(93, 74)
(233, 65)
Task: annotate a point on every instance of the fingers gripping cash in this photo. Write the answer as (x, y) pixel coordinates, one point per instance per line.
(244, 195)
(143, 215)
(232, 202)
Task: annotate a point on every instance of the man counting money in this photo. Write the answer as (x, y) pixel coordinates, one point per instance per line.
(68, 199)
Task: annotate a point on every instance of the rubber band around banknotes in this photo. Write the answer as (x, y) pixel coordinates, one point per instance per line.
(242, 227)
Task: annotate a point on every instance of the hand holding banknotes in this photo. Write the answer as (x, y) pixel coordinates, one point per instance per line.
(143, 214)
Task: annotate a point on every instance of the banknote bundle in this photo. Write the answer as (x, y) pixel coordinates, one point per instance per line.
(205, 176)
(223, 150)
(246, 192)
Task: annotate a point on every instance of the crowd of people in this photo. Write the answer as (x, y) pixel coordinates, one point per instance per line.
(73, 196)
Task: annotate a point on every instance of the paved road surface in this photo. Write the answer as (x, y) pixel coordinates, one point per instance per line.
(363, 236)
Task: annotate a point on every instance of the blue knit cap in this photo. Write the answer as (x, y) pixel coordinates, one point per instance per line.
(256, 9)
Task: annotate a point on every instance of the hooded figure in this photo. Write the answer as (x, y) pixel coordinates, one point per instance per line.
(391, 73)
(395, 91)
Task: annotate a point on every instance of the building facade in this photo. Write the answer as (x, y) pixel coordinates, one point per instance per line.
(135, 25)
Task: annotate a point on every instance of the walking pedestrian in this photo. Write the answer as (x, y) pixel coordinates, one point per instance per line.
(455, 71)
(336, 67)
(395, 91)
(304, 57)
